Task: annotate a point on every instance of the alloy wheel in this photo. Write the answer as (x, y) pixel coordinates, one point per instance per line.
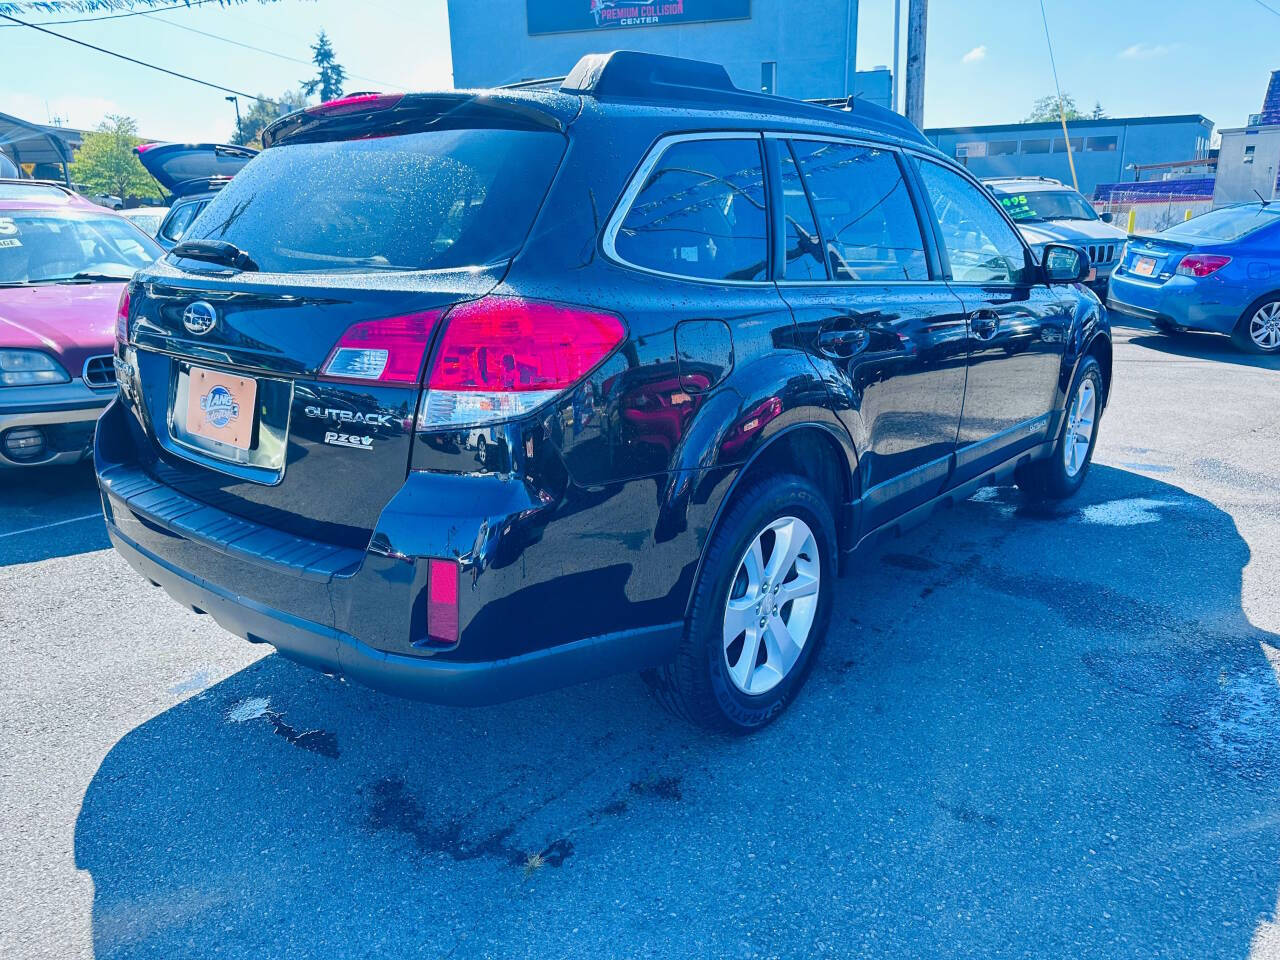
(1080, 421)
(773, 600)
(1264, 326)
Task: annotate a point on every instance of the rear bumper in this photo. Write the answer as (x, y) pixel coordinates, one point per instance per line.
(337, 653)
(358, 613)
(64, 413)
(1179, 303)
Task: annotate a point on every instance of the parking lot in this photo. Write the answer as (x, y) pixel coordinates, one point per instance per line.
(1032, 732)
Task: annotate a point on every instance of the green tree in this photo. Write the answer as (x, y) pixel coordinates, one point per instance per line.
(330, 75)
(1097, 113)
(262, 112)
(106, 161)
(1046, 109)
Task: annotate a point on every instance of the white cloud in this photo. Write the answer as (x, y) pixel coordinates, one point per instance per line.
(1148, 51)
(976, 54)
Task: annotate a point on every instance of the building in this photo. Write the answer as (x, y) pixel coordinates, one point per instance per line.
(1104, 151)
(1249, 157)
(806, 51)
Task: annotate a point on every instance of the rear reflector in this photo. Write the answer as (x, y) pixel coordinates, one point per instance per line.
(503, 357)
(442, 601)
(1201, 264)
(384, 351)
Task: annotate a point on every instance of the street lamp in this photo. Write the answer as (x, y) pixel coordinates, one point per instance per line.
(235, 101)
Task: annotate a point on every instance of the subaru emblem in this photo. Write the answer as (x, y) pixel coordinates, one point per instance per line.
(199, 318)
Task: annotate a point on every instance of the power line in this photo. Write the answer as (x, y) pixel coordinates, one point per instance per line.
(141, 63)
(249, 46)
(1267, 7)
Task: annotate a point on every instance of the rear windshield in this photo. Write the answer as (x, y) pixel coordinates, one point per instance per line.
(1226, 223)
(421, 201)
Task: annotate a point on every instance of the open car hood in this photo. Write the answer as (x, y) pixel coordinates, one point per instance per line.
(186, 168)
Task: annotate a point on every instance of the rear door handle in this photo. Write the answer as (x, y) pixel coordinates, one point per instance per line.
(843, 341)
(984, 324)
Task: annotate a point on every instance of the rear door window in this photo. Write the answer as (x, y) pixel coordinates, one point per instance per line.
(980, 244)
(868, 222)
(421, 201)
(700, 213)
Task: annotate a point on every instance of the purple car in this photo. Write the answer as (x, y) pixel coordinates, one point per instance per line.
(63, 266)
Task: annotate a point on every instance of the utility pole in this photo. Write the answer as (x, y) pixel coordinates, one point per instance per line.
(236, 101)
(917, 15)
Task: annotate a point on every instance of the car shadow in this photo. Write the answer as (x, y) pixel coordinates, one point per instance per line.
(49, 512)
(1033, 730)
(1198, 346)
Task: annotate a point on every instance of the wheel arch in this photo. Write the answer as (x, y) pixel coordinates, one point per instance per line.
(814, 450)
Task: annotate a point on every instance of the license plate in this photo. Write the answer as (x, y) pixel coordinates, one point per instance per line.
(1145, 267)
(220, 406)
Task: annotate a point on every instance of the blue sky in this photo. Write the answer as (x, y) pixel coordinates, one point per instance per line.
(986, 60)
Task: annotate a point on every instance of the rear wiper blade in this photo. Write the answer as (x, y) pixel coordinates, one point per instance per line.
(215, 251)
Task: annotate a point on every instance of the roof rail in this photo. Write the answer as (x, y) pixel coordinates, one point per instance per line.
(860, 106)
(548, 82)
(628, 73)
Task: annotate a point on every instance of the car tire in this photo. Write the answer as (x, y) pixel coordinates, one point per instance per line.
(1258, 330)
(1061, 474)
(714, 680)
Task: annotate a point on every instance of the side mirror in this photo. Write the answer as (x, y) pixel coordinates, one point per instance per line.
(1064, 264)
(1107, 217)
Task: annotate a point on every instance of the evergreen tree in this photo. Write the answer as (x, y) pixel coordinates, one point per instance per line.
(330, 74)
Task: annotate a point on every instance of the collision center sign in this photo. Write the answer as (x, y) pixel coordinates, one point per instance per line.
(562, 16)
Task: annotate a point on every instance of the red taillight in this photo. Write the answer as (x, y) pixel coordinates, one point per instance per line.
(122, 317)
(383, 351)
(502, 357)
(356, 103)
(442, 601)
(1201, 264)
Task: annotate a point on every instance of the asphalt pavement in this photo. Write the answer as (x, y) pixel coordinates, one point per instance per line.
(1033, 732)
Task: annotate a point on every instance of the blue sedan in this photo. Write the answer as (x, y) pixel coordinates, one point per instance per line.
(1219, 272)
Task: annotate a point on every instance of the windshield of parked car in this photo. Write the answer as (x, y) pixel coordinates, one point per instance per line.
(43, 246)
(148, 223)
(421, 201)
(1039, 205)
(1227, 223)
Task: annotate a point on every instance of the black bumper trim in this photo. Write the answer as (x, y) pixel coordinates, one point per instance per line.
(421, 678)
(163, 506)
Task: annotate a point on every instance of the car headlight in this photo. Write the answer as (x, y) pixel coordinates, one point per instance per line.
(22, 368)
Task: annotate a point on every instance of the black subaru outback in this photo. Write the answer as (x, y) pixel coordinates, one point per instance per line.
(469, 395)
